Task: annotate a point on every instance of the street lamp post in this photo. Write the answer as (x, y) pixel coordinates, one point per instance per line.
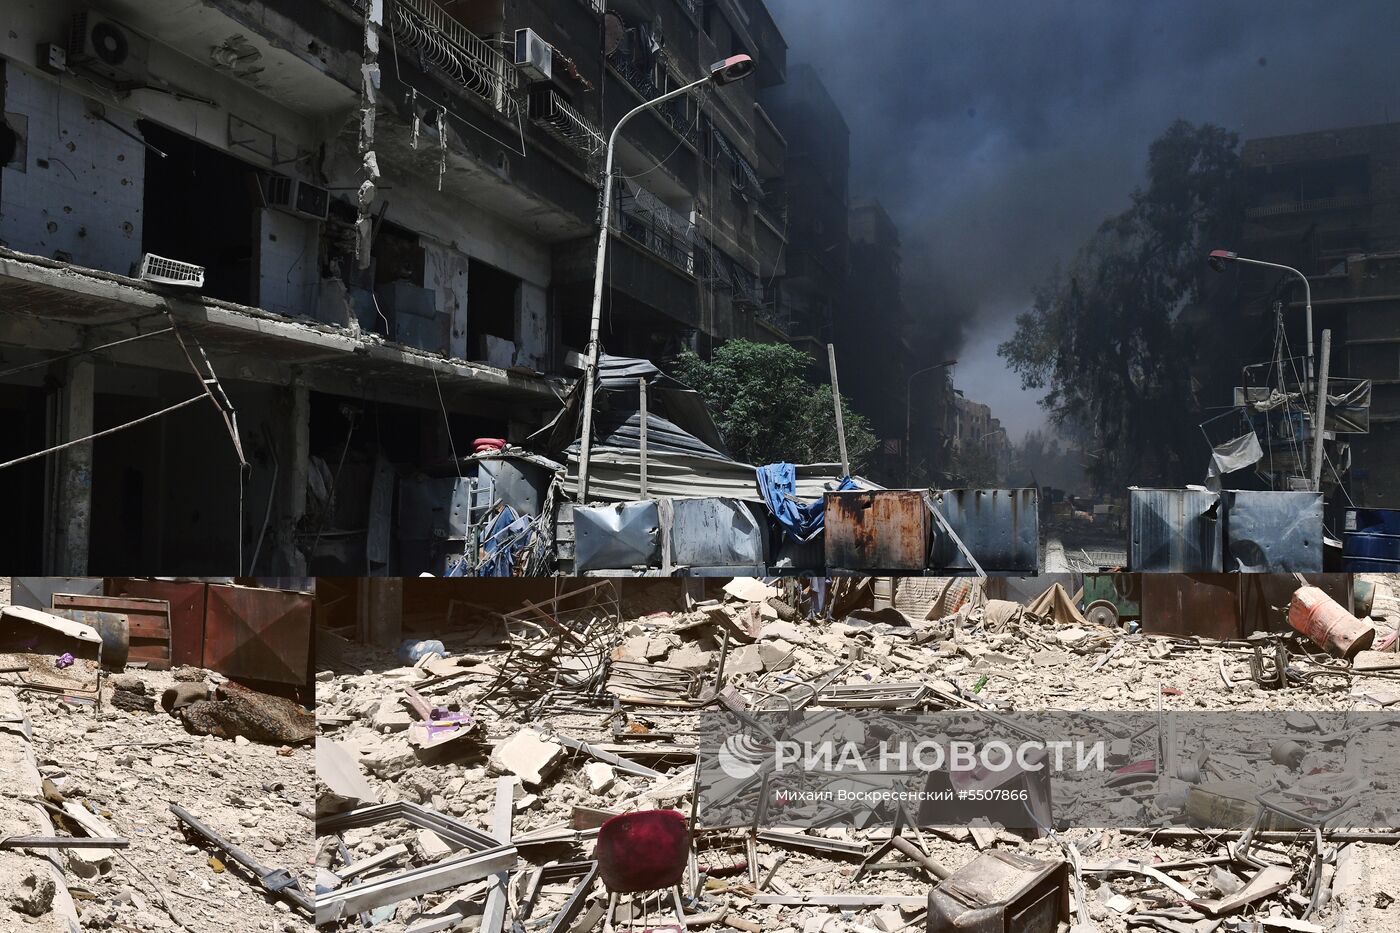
(909, 416)
(1218, 259)
(722, 72)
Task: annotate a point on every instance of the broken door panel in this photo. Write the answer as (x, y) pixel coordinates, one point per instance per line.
(718, 535)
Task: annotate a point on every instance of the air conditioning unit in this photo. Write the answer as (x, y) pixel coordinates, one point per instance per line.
(533, 56)
(102, 46)
(296, 197)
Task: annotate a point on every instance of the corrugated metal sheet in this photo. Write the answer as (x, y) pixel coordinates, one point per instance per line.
(1174, 531)
(613, 477)
(1001, 527)
(877, 531)
(258, 634)
(713, 533)
(1273, 532)
(617, 537)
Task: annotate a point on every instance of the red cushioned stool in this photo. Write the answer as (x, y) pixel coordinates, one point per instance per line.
(643, 851)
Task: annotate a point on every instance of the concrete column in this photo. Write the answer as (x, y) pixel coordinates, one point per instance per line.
(71, 517)
(293, 439)
(381, 603)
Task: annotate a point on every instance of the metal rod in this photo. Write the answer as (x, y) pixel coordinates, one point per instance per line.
(642, 405)
(275, 881)
(836, 404)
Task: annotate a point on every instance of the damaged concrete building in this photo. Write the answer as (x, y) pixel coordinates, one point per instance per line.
(329, 242)
(1328, 204)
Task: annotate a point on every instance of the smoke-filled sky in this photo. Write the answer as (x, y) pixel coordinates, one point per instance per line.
(998, 135)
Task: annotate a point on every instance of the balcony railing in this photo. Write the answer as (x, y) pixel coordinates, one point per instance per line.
(673, 111)
(1343, 202)
(447, 44)
(648, 221)
(558, 117)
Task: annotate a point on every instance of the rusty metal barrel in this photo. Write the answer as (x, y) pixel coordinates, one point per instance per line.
(1330, 625)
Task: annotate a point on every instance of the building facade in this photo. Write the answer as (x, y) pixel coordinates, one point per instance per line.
(380, 218)
(1328, 203)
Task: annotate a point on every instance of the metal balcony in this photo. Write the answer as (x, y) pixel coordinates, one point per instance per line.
(1344, 202)
(557, 117)
(450, 46)
(646, 220)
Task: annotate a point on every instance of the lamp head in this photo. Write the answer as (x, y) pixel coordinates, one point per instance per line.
(733, 68)
(1218, 258)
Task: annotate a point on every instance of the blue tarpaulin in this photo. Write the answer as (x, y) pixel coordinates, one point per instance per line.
(508, 533)
(777, 483)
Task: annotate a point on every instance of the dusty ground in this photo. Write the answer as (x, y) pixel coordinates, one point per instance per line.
(128, 767)
(1027, 666)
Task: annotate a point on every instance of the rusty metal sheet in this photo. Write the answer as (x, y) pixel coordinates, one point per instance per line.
(186, 599)
(258, 634)
(1205, 604)
(884, 530)
(147, 623)
(37, 592)
(1174, 531)
(1001, 527)
(1264, 597)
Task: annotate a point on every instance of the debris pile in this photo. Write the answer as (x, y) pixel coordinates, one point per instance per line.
(575, 717)
(89, 841)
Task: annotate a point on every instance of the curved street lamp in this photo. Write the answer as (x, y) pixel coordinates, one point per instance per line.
(731, 69)
(1219, 257)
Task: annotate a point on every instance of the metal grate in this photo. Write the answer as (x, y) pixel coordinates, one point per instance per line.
(171, 271)
(449, 45)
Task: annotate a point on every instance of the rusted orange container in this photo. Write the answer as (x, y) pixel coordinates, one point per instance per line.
(1328, 623)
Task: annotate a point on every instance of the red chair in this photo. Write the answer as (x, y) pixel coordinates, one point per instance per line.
(643, 851)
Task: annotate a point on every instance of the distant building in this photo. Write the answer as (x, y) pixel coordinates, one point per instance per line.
(1328, 203)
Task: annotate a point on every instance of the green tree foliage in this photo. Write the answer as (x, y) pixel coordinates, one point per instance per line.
(1104, 338)
(769, 409)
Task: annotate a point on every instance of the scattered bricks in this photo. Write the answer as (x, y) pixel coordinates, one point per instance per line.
(390, 716)
(528, 755)
(388, 757)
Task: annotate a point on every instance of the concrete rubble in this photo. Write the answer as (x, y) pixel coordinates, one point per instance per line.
(111, 769)
(587, 712)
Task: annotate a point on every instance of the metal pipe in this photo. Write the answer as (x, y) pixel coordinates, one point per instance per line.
(1320, 412)
(1307, 292)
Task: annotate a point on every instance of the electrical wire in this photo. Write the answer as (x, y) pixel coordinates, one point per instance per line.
(92, 437)
(65, 356)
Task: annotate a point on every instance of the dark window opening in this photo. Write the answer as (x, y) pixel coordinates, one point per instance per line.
(492, 297)
(201, 206)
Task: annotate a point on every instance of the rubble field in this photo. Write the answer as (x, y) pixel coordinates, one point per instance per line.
(573, 714)
(116, 769)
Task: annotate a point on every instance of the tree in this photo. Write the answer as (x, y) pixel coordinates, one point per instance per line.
(768, 409)
(1103, 338)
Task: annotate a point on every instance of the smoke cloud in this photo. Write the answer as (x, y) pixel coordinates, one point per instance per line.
(998, 135)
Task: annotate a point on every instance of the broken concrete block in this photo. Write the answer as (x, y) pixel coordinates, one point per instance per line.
(34, 895)
(749, 590)
(1071, 636)
(391, 715)
(784, 630)
(633, 648)
(344, 783)
(388, 757)
(690, 658)
(599, 776)
(431, 846)
(528, 755)
(745, 659)
(777, 655)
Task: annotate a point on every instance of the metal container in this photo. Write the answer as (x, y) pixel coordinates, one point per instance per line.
(617, 537)
(1371, 540)
(1329, 624)
(258, 633)
(1001, 527)
(186, 599)
(1001, 892)
(710, 535)
(868, 531)
(147, 623)
(1122, 590)
(1174, 531)
(1273, 532)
